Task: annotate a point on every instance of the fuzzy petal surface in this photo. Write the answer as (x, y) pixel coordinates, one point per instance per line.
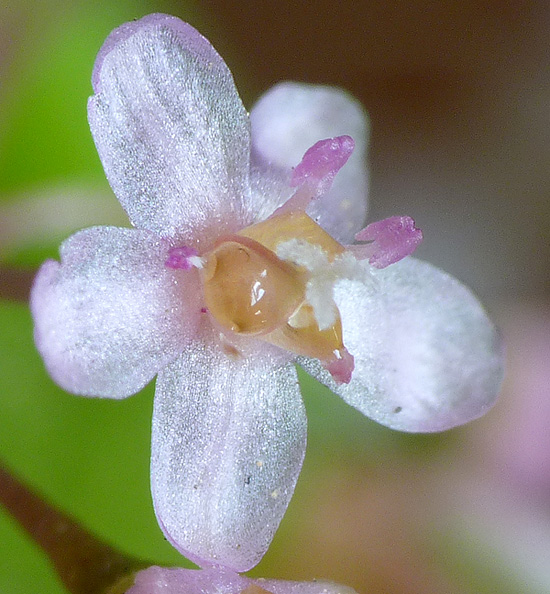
(110, 315)
(228, 443)
(162, 580)
(288, 120)
(170, 128)
(315, 587)
(427, 357)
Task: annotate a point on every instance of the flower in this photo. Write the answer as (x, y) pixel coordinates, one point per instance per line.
(236, 267)
(160, 580)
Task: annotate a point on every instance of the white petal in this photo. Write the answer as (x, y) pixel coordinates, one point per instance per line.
(292, 117)
(228, 444)
(170, 128)
(315, 587)
(163, 580)
(110, 315)
(427, 357)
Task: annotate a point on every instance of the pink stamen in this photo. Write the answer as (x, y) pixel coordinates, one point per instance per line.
(181, 258)
(321, 163)
(390, 241)
(314, 175)
(298, 201)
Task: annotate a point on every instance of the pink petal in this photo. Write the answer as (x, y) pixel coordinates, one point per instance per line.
(161, 580)
(228, 443)
(289, 119)
(171, 131)
(427, 357)
(521, 439)
(111, 314)
(391, 240)
(314, 587)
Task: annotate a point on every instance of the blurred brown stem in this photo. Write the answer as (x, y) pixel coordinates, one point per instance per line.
(84, 564)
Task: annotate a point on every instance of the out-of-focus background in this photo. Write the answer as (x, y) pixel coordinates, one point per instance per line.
(458, 94)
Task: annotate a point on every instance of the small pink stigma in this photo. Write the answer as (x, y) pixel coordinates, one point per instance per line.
(342, 367)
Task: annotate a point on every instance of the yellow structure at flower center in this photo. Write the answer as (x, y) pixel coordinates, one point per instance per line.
(250, 291)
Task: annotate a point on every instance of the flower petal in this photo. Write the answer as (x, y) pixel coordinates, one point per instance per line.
(170, 128)
(111, 314)
(228, 444)
(315, 587)
(163, 580)
(292, 117)
(427, 357)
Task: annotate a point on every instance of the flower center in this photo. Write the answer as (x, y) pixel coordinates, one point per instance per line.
(247, 288)
(274, 281)
(253, 286)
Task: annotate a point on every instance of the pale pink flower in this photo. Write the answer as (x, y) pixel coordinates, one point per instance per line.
(161, 580)
(225, 282)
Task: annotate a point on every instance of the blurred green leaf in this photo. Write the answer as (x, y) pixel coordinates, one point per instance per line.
(44, 130)
(31, 256)
(89, 456)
